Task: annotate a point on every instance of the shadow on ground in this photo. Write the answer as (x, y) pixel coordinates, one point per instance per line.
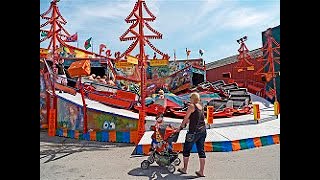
(156, 172)
(54, 148)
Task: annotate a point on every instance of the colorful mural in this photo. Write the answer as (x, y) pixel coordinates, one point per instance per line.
(159, 71)
(101, 121)
(176, 82)
(181, 79)
(155, 72)
(70, 115)
(131, 72)
(175, 66)
(126, 71)
(43, 105)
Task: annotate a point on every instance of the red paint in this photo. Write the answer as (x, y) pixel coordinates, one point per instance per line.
(216, 73)
(121, 103)
(243, 79)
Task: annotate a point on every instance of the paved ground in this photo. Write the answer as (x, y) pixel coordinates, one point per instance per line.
(64, 158)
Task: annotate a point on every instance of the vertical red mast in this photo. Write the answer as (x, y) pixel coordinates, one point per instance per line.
(269, 50)
(141, 126)
(137, 20)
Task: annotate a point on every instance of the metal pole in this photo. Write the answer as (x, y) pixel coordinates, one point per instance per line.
(141, 124)
(91, 45)
(85, 122)
(55, 58)
(271, 60)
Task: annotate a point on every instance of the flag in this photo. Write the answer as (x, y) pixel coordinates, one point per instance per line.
(72, 38)
(188, 51)
(101, 48)
(174, 54)
(87, 44)
(44, 34)
(201, 52)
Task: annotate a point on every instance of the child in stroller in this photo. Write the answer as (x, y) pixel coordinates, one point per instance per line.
(161, 146)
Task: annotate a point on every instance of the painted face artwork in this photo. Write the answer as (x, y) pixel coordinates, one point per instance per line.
(104, 121)
(70, 115)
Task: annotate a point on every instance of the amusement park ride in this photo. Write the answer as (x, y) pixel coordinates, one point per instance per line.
(58, 34)
(271, 56)
(245, 67)
(227, 99)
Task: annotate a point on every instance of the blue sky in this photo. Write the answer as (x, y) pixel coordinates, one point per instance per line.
(211, 25)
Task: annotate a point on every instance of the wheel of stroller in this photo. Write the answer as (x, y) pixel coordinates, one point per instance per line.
(177, 161)
(171, 168)
(151, 159)
(145, 164)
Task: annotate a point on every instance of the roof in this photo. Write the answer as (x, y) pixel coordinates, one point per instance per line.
(85, 51)
(182, 60)
(232, 59)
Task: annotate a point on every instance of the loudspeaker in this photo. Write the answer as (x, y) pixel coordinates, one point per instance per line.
(226, 75)
(263, 78)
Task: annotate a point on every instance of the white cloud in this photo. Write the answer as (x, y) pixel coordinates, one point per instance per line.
(108, 10)
(206, 8)
(244, 17)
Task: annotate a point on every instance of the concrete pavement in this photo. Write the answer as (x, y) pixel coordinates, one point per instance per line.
(65, 158)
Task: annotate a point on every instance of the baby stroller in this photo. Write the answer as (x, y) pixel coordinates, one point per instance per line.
(162, 154)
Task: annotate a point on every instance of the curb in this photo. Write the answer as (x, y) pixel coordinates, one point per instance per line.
(220, 146)
(101, 136)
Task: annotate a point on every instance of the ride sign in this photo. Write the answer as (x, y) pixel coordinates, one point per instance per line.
(160, 62)
(123, 64)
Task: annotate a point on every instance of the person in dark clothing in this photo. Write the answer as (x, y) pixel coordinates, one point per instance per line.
(197, 131)
(63, 75)
(61, 69)
(62, 72)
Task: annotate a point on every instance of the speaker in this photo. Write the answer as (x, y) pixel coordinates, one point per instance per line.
(263, 78)
(226, 75)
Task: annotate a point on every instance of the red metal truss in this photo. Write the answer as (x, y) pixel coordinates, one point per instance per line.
(56, 31)
(137, 20)
(244, 57)
(269, 60)
(268, 55)
(153, 17)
